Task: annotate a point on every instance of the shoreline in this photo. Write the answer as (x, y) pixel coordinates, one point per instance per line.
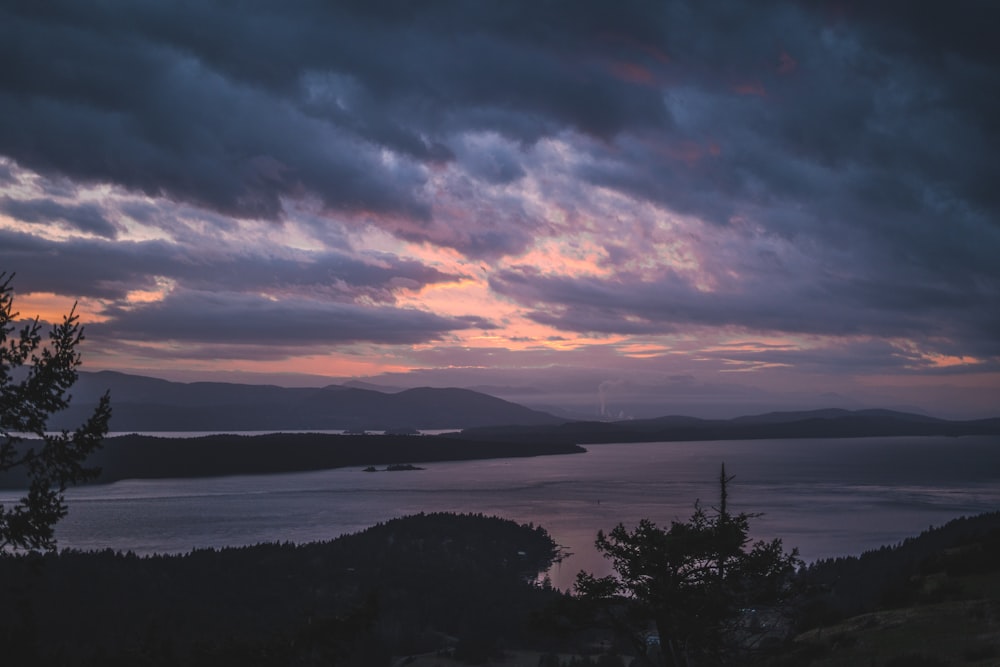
(222, 455)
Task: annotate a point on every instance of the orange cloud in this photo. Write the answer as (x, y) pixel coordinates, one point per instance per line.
(49, 307)
(643, 350)
(760, 344)
(946, 361)
(574, 258)
(334, 365)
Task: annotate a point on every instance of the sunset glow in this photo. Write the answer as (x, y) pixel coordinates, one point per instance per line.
(795, 214)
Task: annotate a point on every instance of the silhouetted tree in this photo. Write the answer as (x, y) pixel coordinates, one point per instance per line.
(682, 595)
(34, 384)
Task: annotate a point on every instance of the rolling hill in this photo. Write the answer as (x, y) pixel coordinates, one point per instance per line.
(149, 404)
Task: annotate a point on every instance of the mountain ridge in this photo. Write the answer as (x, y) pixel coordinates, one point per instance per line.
(141, 403)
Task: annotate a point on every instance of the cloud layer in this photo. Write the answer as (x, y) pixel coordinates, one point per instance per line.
(569, 180)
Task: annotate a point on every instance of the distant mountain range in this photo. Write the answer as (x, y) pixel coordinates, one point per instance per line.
(143, 404)
(486, 427)
(148, 404)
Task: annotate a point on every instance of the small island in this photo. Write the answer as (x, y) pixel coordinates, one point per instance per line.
(394, 467)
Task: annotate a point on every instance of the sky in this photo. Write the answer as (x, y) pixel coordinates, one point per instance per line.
(614, 208)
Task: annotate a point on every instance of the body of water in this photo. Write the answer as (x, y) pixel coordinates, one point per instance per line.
(828, 497)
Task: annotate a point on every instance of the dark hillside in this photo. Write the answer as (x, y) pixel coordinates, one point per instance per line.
(401, 587)
(892, 576)
(149, 404)
(930, 601)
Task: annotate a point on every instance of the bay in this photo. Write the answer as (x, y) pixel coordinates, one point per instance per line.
(828, 497)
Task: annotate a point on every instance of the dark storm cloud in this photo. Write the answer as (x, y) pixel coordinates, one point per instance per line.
(872, 156)
(845, 358)
(236, 109)
(81, 217)
(243, 319)
(7, 175)
(93, 268)
(492, 162)
(875, 149)
(229, 109)
(862, 139)
(97, 99)
(633, 305)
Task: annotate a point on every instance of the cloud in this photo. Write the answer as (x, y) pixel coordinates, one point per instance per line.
(88, 218)
(188, 316)
(242, 111)
(847, 357)
(7, 173)
(490, 158)
(100, 269)
(217, 108)
(628, 304)
(635, 171)
(99, 103)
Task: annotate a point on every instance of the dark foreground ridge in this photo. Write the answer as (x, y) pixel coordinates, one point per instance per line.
(451, 589)
(409, 585)
(148, 457)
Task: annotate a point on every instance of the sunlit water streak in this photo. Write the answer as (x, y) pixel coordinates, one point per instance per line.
(827, 497)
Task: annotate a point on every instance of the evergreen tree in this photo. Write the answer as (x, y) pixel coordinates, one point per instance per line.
(35, 379)
(682, 595)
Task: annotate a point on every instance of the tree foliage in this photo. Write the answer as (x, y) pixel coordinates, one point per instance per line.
(688, 588)
(35, 379)
(407, 586)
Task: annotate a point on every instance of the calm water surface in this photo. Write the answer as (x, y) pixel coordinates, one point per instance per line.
(827, 497)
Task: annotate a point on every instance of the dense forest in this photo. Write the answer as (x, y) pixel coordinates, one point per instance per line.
(894, 575)
(463, 586)
(410, 585)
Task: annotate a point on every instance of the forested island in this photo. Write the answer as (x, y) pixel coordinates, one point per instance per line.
(148, 457)
(143, 456)
(828, 423)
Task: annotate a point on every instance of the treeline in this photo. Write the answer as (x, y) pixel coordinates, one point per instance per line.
(776, 426)
(143, 457)
(460, 584)
(896, 575)
(411, 585)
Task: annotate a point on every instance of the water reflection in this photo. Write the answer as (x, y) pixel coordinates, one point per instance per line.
(828, 497)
